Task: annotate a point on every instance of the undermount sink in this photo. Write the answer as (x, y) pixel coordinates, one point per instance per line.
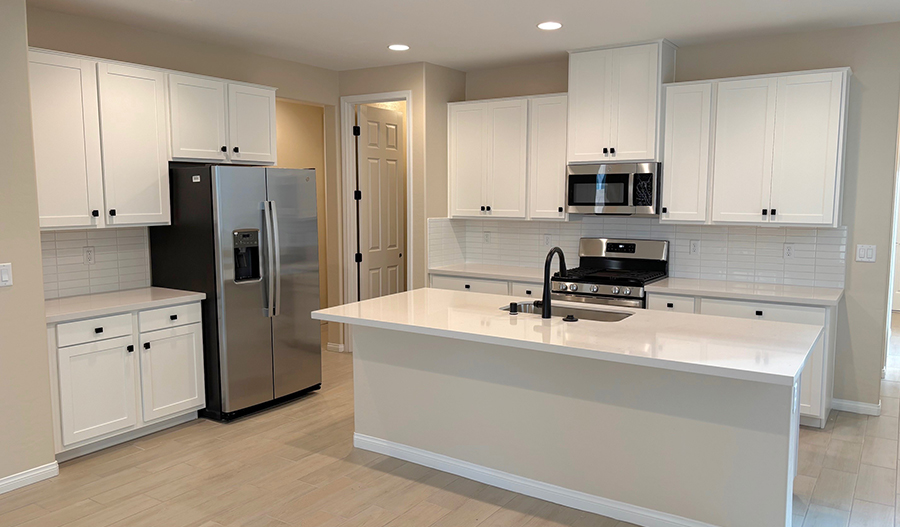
(579, 313)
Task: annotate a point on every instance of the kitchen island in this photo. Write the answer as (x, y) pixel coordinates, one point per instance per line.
(660, 419)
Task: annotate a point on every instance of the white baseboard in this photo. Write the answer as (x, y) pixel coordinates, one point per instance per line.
(28, 477)
(115, 439)
(529, 487)
(332, 346)
(856, 407)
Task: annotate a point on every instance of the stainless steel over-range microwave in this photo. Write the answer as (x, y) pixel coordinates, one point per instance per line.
(630, 189)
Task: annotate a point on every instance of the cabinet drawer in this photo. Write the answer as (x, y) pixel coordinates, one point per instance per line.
(678, 304)
(764, 311)
(93, 329)
(169, 317)
(477, 285)
(527, 289)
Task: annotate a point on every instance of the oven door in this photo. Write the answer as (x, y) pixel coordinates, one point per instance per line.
(599, 189)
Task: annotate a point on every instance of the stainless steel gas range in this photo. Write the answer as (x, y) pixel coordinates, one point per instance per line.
(613, 272)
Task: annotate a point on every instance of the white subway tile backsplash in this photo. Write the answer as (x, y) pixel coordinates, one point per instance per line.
(737, 253)
(121, 261)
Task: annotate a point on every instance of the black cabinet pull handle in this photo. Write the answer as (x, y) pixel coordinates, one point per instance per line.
(237, 150)
(112, 212)
(773, 212)
(528, 291)
(665, 210)
(612, 150)
(759, 313)
(670, 305)
(95, 213)
(482, 208)
(146, 345)
(98, 330)
(560, 209)
(224, 148)
(765, 212)
(129, 348)
(173, 317)
(489, 208)
(606, 150)
(468, 286)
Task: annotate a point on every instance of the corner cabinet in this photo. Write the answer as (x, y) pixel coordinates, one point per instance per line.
(614, 102)
(506, 158)
(769, 147)
(214, 120)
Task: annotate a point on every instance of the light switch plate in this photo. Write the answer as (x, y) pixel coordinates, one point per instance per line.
(6, 278)
(865, 253)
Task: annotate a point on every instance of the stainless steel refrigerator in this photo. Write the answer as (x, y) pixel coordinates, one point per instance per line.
(247, 237)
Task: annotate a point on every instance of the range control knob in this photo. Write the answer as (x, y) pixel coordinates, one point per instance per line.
(626, 291)
(573, 287)
(594, 289)
(614, 290)
(562, 287)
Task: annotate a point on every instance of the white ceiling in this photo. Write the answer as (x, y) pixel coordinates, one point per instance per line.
(466, 34)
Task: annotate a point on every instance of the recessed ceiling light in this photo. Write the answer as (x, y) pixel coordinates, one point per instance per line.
(549, 26)
(398, 47)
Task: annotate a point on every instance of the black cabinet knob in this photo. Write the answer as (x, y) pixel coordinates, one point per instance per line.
(665, 210)
(98, 330)
(670, 305)
(606, 150)
(237, 150)
(95, 213)
(129, 348)
(468, 286)
(560, 209)
(612, 150)
(146, 345)
(224, 148)
(112, 212)
(488, 208)
(759, 313)
(773, 212)
(173, 317)
(765, 212)
(482, 208)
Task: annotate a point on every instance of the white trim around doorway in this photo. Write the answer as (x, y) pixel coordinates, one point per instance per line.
(348, 184)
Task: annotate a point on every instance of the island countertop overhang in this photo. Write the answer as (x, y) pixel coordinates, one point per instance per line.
(750, 350)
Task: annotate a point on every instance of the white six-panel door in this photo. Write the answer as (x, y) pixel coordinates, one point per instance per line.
(134, 139)
(547, 158)
(685, 190)
(507, 158)
(66, 128)
(590, 87)
(96, 389)
(807, 133)
(171, 371)
(468, 158)
(633, 99)
(744, 138)
(197, 117)
(251, 124)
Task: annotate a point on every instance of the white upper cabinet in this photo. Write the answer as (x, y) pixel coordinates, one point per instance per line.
(547, 158)
(807, 155)
(251, 124)
(507, 158)
(66, 126)
(467, 160)
(614, 102)
(197, 116)
(685, 190)
(745, 135)
(134, 138)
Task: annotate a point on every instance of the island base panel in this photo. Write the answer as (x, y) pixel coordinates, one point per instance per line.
(651, 446)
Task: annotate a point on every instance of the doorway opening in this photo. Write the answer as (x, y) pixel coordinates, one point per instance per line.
(376, 194)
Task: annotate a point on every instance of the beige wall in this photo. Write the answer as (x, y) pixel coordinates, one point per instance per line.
(522, 79)
(442, 85)
(26, 433)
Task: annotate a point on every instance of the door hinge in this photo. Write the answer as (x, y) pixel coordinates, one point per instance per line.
(357, 195)
(358, 257)
(356, 131)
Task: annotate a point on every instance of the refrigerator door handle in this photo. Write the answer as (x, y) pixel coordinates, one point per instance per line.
(270, 259)
(273, 210)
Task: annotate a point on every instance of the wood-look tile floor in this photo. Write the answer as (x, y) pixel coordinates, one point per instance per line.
(296, 466)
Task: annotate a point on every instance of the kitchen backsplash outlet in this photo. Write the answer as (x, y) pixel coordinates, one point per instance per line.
(121, 261)
(739, 253)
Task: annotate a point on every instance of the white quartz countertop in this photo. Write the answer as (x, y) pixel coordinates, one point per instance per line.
(87, 306)
(493, 272)
(813, 296)
(746, 349)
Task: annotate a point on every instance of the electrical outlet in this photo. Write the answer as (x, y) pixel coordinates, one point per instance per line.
(89, 258)
(548, 240)
(695, 246)
(788, 251)
(487, 236)
(6, 275)
(865, 253)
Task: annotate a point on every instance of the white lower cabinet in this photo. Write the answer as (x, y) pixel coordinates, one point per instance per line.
(171, 371)
(816, 381)
(476, 285)
(526, 289)
(108, 378)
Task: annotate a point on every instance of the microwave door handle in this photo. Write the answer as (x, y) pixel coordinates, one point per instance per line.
(270, 261)
(276, 243)
(629, 192)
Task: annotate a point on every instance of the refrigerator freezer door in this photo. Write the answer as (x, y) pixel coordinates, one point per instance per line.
(297, 337)
(245, 335)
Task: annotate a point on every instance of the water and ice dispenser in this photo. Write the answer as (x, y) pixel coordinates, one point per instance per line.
(246, 255)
